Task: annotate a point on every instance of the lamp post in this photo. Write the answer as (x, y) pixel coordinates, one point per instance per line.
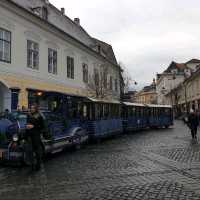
(185, 94)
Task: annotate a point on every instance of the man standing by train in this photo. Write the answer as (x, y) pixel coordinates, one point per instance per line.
(35, 125)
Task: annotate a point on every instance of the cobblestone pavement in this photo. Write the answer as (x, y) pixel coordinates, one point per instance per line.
(155, 164)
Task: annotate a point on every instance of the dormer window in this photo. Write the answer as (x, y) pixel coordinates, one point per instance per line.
(44, 13)
(174, 71)
(41, 12)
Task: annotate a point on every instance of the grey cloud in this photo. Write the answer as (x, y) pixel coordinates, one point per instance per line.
(145, 34)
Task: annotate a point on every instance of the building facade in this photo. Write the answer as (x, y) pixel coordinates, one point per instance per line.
(170, 79)
(42, 50)
(130, 96)
(186, 95)
(147, 95)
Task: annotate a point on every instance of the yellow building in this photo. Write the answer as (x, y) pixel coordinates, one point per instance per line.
(147, 95)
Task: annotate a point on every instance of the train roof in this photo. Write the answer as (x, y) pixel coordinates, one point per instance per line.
(133, 104)
(158, 106)
(103, 101)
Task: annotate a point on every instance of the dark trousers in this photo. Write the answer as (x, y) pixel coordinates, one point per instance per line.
(33, 151)
(193, 132)
(37, 149)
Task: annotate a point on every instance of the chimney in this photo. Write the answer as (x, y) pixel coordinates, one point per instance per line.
(77, 21)
(47, 1)
(63, 11)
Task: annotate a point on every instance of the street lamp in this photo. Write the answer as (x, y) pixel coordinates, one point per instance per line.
(185, 94)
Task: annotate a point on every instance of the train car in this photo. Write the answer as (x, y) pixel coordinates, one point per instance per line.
(135, 116)
(160, 115)
(102, 118)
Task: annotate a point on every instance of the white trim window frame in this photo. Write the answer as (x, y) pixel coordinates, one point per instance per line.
(70, 67)
(52, 61)
(111, 83)
(116, 85)
(32, 55)
(5, 45)
(85, 72)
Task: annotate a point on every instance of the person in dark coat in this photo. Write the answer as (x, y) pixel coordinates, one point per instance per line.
(35, 125)
(193, 123)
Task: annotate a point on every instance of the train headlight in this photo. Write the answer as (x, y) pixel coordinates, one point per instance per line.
(15, 138)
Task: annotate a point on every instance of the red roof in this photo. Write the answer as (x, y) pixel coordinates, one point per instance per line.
(174, 65)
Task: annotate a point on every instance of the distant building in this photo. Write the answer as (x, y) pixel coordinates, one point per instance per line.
(130, 96)
(170, 79)
(186, 95)
(193, 64)
(147, 95)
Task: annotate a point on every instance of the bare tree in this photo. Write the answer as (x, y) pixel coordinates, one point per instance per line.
(127, 79)
(98, 85)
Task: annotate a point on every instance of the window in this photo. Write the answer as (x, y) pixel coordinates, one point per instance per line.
(85, 73)
(32, 54)
(111, 83)
(44, 13)
(116, 85)
(5, 45)
(96, 77)
(52, 61)
(105, 80)
(70, 67)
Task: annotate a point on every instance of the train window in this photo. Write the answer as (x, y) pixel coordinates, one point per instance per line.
(139, 111)
(154, 112)
(142, 112)
(129, 111)
(85, 113)
(96, 110)
(107, 110)
(167, 111)
(133, 111)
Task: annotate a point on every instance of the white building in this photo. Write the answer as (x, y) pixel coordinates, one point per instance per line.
(42, 50)
(193, 64)
(175, 74)
(170, 79)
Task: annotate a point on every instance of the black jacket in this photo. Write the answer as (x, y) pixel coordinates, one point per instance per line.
(193, 120)
(38, 122)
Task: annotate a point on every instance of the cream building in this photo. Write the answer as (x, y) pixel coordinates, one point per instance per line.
(42, 50)
(170, 79)
(187, 94)
(147, 95)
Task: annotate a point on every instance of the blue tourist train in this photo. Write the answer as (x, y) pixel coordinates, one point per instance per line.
(71, 121)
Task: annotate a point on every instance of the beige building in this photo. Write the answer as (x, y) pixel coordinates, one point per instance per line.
(170, 79)
(147, 95)
(187, 94)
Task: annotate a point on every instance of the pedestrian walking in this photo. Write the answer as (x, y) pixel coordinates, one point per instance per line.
(193, 123)
(35, 125)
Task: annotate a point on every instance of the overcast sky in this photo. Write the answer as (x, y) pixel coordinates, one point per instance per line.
(146, 35)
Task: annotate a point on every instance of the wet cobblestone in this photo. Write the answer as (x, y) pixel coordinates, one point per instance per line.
(156, 164)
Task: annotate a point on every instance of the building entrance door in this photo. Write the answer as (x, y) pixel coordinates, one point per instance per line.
(5, 97)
